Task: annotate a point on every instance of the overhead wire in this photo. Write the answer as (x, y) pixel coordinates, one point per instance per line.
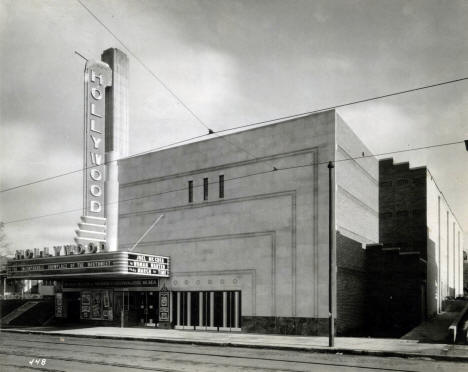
(163, 84)
(293, 116)
(211, 131)
(241, 127)
(244, 176)
(216, 132)
(105, 163)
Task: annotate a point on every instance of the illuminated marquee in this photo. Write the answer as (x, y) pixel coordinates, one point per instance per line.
(104, 264)
(98, 76)
(146, 264)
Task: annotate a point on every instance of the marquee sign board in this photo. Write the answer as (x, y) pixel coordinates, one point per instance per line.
(98, 76)
(98, 265)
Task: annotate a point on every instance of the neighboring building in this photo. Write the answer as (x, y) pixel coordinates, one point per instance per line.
(416, 219)
(249, 246)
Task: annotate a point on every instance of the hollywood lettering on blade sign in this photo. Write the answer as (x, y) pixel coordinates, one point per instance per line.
(98, 76)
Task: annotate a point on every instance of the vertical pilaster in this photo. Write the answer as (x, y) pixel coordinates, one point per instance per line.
(211, 309)
(189, 309)
(236, 309)
(200, 309)
(224, 309)
(178, 309)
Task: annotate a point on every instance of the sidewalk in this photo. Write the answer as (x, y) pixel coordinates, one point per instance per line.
(345, 345)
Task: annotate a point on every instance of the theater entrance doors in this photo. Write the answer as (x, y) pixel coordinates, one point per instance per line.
(144, 304)
(140, 308)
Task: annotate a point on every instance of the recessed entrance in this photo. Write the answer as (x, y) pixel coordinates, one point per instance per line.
(138, 308)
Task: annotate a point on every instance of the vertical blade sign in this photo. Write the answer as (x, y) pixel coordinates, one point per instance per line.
(98, 76)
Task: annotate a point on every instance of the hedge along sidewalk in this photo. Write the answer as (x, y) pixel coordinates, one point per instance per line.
(345, 345)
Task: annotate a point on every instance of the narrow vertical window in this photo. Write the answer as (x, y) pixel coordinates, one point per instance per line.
(190, 191)
(221, 185)
(205, 188)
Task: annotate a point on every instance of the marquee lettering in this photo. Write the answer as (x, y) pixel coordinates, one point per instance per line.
(67, 249)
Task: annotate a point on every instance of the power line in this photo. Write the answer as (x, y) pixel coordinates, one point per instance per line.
(105, 163)
(345, 104)
(243, 126)
(210, 131)
(143, 64)
(241, 177)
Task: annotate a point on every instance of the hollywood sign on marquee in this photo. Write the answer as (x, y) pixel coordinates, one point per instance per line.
(67, 250)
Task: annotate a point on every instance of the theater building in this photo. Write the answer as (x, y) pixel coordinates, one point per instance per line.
(226, 234)
(249, 244)
(243, 240)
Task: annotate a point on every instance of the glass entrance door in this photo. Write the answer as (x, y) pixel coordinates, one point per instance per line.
(152, 303)
(145, 307)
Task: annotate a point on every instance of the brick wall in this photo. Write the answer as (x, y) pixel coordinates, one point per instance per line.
(402, 206)
(351, 286)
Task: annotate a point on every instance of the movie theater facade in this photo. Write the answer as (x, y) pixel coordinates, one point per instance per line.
(95, 284)
(243, 241)
(249, 244)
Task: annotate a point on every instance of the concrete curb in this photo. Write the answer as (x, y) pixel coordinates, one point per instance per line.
(316, 349)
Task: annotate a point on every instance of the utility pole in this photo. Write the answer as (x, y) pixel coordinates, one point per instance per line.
(331, 253)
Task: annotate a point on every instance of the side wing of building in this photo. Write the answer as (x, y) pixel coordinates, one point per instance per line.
(444, 249)
(357, 223)
(357, 193)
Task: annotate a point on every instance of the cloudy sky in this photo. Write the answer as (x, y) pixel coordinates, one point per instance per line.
(232, 62)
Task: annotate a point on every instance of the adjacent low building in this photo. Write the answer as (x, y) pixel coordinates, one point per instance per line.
(419, 262)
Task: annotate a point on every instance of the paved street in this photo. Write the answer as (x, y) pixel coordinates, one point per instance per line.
(20, 352)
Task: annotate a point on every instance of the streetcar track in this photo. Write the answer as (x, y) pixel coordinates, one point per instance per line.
(191, 362)
(86, 361)
(220, 356)
(158, 369)
(34, 368)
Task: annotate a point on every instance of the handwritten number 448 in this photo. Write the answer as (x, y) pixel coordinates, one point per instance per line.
(37, 362)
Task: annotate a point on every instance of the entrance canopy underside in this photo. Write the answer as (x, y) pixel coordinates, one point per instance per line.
(108, 265)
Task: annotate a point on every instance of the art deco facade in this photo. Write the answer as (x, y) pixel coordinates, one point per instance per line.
(249, 244)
